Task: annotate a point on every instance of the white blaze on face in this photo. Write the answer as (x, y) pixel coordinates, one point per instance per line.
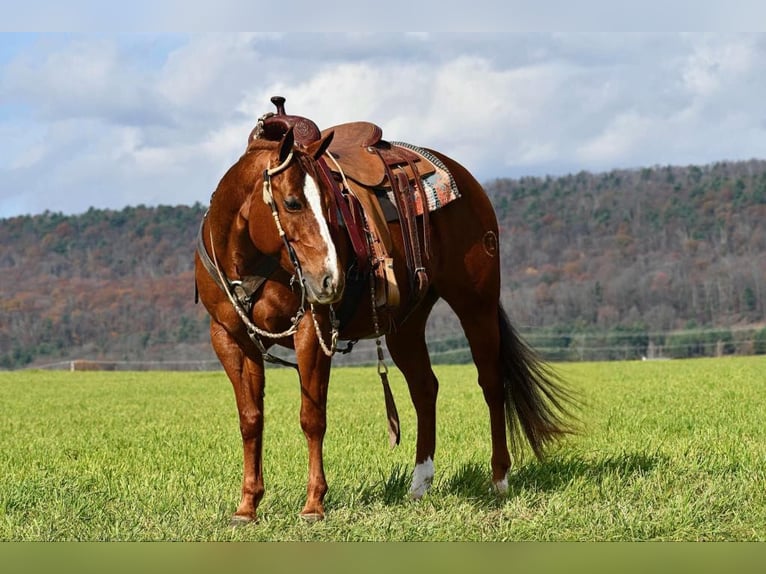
(311, 191)
(422, 478)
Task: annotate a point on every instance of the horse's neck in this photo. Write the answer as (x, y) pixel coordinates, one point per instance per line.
(241, 248)
(230, 234)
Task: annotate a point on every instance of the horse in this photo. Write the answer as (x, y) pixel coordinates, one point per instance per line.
(272, 233)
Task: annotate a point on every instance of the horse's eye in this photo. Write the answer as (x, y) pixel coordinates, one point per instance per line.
(292, 203)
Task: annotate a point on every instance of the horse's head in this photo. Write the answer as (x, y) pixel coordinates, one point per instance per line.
(299, 200)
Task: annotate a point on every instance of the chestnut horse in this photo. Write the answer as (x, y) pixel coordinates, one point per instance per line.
(271, 217)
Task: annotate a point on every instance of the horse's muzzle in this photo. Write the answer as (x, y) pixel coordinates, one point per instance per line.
(325, 290)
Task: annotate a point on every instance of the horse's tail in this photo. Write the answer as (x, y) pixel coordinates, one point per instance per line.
(538, 405)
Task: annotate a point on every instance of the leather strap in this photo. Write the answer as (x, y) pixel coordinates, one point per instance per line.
(243, 289)
(424, 203)
(402, 193)
(352, 216)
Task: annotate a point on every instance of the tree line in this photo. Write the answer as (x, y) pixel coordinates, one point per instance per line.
(653, 259)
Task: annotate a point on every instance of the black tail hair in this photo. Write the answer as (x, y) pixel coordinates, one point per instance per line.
(538, 404)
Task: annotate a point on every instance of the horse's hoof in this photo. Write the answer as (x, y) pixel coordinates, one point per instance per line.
(311, 517)
(238, 521)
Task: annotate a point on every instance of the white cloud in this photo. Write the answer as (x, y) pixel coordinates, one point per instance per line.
(208, 77)
(117, 120)
(87, 78)
(623, 136)
(715, 63)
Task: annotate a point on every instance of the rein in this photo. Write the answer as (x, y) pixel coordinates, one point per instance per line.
(253, 331)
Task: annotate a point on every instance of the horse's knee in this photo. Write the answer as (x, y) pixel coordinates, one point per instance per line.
(493, 390)
(313, 424)
(251, 425)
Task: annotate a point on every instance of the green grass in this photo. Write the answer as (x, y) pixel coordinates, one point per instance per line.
(672, 450)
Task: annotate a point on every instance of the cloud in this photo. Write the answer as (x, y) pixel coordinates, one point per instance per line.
(84, 78)
(114, 120)
(716, 64)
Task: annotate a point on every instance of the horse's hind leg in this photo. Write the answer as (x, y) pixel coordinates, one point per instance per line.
(247, 379)
(480, 325)
(477, 305)
(519, 389)
(407, 347)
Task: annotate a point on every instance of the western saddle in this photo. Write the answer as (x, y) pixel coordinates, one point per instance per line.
(374, 182)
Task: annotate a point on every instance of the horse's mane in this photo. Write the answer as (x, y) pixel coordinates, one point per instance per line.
(259, 144)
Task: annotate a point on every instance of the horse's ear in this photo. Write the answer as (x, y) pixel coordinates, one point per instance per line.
(286, 144)
(317, 149)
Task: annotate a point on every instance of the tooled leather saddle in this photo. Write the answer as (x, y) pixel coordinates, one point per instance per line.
(375, 182)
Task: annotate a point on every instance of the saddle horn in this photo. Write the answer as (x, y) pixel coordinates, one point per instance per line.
(276, 126)
(279, 102)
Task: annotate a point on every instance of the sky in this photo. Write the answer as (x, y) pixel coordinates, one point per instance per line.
(119, 119)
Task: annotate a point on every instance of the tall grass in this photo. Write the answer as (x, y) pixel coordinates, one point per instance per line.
(672, 450)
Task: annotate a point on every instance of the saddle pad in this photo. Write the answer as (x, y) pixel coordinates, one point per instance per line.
(440, 186)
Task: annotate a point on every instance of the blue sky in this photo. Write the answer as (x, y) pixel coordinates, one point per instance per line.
(115, 119)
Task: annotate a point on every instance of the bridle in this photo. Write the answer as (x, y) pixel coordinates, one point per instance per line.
(254, 332)
(268, 199)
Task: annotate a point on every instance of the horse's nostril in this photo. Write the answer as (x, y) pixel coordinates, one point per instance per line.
(327, 282)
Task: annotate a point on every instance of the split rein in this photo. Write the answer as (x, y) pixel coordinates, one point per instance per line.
(253, 331)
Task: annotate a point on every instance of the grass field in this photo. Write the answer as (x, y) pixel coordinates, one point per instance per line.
(671, 450)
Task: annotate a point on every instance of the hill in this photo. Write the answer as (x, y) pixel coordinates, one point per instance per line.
(102, 285)
(645, 251)
(634, 261)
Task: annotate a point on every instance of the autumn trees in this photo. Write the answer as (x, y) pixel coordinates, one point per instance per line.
(664, 261)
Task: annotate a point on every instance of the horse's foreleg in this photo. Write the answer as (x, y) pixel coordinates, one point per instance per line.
(408, 349)
(314, 370)
(247, 378)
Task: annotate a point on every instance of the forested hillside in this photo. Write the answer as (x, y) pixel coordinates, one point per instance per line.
(104, 284)
(638, 253)
(666, 259)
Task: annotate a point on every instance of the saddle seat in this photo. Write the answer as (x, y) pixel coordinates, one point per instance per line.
(363, 155)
